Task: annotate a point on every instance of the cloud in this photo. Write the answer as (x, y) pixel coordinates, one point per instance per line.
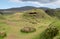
(57, 3)
(40, 1)
(16, 1)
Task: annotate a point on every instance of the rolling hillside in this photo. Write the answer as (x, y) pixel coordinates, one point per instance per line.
(12, 24)
(35, 18)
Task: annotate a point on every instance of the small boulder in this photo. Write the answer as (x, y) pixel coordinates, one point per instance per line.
(28, 29)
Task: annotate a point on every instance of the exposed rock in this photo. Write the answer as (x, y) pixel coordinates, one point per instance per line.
(28, 29)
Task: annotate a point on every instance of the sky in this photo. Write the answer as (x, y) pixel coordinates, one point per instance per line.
(4, 4)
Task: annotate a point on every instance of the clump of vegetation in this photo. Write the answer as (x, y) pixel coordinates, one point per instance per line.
(50, 12)
(57, 14)
(28, 29)
(1, 13)
(2, 34)
(49, 33)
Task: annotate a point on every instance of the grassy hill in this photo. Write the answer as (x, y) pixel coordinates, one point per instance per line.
(12, 24)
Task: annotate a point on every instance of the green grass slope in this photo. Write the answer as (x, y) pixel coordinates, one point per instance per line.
(12, 24)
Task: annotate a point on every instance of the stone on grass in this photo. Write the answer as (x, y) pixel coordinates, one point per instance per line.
(28, 29)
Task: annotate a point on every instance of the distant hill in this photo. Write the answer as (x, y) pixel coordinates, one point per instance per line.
(21, 9)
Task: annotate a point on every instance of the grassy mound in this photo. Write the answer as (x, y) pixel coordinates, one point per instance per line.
(36, 14)
(50, 33)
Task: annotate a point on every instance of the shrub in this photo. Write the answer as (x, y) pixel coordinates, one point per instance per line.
(28, 29)
(49, 33)
(2, 34)
(50, 12)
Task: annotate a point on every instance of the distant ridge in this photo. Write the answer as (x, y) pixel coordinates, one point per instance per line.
(19, 9)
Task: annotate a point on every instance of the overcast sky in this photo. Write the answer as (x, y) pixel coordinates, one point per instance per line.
(4, 4)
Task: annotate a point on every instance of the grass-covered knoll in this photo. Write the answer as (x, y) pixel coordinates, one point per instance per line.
(12, 24)
(37, 15)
